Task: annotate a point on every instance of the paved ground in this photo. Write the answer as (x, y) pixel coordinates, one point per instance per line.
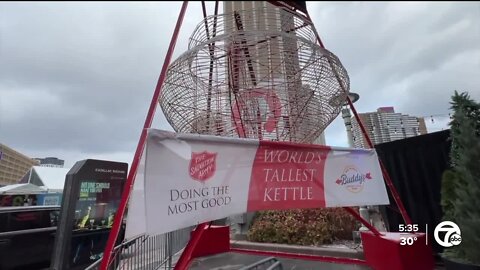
(234, 261)
(148, 257)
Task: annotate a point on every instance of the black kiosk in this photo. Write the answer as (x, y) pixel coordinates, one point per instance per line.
(91, 196)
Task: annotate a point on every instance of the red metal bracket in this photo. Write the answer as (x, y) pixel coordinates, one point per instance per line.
(141, 143)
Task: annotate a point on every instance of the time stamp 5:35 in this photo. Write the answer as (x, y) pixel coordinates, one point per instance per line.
(409, 229)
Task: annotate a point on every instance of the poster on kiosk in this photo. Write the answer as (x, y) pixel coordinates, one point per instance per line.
(92, 194)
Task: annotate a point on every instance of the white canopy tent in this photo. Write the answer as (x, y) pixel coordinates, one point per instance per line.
(52, 179)
(26, 188)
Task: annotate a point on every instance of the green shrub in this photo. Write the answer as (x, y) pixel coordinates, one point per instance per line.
(302, 226)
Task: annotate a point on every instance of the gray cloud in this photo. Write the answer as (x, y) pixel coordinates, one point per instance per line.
(408, 55)
(76, 79)
(79, 76)
(388, 47)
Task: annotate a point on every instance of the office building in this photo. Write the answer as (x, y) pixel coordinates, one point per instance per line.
(13, 165)
(276, 64)
(51, 162)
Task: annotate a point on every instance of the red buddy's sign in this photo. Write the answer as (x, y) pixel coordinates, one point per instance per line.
(353, 179)
(202, 165)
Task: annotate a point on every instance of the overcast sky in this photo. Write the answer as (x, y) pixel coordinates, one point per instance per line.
(76, 79)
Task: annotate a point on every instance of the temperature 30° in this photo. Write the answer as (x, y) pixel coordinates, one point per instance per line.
(407, 240)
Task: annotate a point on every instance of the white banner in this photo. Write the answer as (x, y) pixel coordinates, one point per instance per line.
(188, 179)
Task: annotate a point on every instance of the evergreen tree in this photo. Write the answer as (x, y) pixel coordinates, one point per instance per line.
(462, 204)
(449, 195)
(462, 105)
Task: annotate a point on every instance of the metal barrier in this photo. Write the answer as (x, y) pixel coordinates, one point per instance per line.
(148, 252)
(275, 266)
(271, 262)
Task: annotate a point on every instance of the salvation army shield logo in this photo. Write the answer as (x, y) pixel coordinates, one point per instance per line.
(203, 165)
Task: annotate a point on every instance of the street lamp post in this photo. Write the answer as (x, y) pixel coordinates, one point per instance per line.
(368, 213)
(347, 119)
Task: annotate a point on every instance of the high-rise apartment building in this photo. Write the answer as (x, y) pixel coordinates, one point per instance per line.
(13, 165)
(385, 125)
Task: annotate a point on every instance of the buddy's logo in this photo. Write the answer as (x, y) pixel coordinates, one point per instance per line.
(352, 179)
(202, 165)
